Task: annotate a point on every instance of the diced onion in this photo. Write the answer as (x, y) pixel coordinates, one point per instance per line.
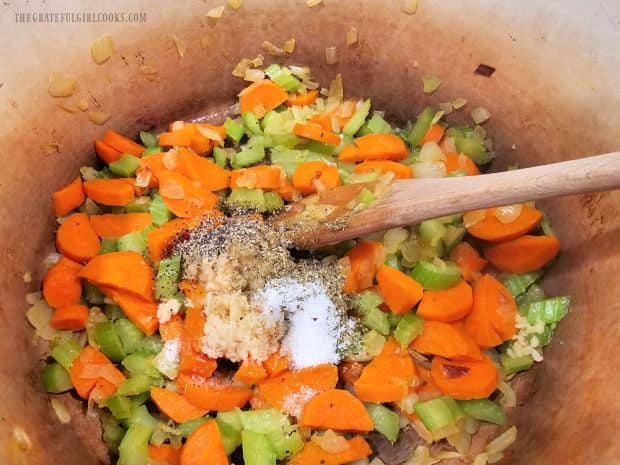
(336, 90)
(438, 116)
(458, 103)
(172, 190)
(495, 457)
(216, 13)
(473, 217)
(27, 277)
(480, 115)
(178, 125)
(331, 442)
(394, 238)
(461, 441)
(509, 396)
(409, 6)
(373, 343)
(209, 133)
(50, 260)
(169, 160)
(481, 459)
(82, 104)
(479, 130)
(272, 49)
(95, 316)
(98, 117)
(503, 441)
(508, 213)
(60, 410)
(102, 49)
(143, 177)
(377, 461)
(235, 4)
(431, 152)
(289, 45)
(347, 109)
(410, 251)
(312, 3)
(363, 461)
(34, 297)
(50, 148)
(471, 425)
(352, 36)
(21, 438)
(331, 55)
(447, 454)
(253, 75)
(435, 169)
(430, 83)
(66, 108)
(449, 144)
(421, 456)
(180, 44)
(240, 68)
(444, 432)
(446, 107)
(60, 85)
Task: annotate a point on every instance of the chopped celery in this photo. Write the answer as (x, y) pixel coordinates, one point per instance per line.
(120, 406)
(221, 156)
(140, 205)
(358, 118)
(393, 261)
(282, 76)
(421, 126)
(151, 151)
(454, 235)
(230, 436)
(251, 124)
(366, 197)
(133, 449)
(109, 341)
(436, 275)
(270, 118)
(286, 444)
(248, 156)
(91, 293)
(149, 139)
(139, 400)
(65, 352)
(484, 410)
(250, 199)
(519, 283)
(158, 210)
(125, 166)
(56, 379)
(385, 421)
(513, 365)
(535, 293)
(457, 173)
(264, 421)
(409, 327)
(257, 449)
(167, 277)
(377, 125)
(188, 427)
(286, 140)
(356, 178)
(366, 300)
(112, 432)
(108, 244)
(548, 311)
(470, 143)
(543, 338)
(432, 231)
(412, 157)
(273, 201)
(394, 320)
(438, 413)
(231, 417)
(104, 173)
(320, 147)
(152, 344)
(545, 225)
(345, 167)
(135, 385)
(113, 312)
(140, 363)
(134, 241)
(234, 131)
(377, 320)
(130, 334)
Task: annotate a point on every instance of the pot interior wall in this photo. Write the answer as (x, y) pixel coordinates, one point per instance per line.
(553, 96)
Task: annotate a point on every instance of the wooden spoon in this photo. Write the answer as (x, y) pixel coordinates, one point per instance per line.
(411, 201)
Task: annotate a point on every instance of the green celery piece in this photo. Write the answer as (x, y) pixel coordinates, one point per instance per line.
(346, 140)
(135, 385)
(56, 379)
(421, 126)
(454, 235)
(432, 231)
(273, 201)
(130, 334)
(248, 156)
(112, 432)
(484, 410)
(139, 400)
(358, 118)
(393, 261)
(158, 210)
(364, 130)
(133, 449)
(250, 199)
(548, 311)
(113, 312)
(65, 352)
(140, 205)
(120, 406)
(321, 147)
(438, 413)
(109, 341)
(544, 338)
(285, 140)
(257, 449)
(230, 436)
(282, 76)
(108, 244)
(270, 117)
(166, 281)
(519, 283)
(251, 124)
(545, 225)
(149, 139)
(535, 293)
(92, 294)
(470, 143)
(436, 276)
(368, 176)
(232, 418)
(221, 155)
(134, 241)
(385, 421)
(125, 166)
(393, 319)
(366, 197)
(188, 427)
(286, 444)
(139, 363)
(152, 344)
(345, 167)
(377, 320)
(457, 173)
(151, 151)
(513, 365)
(409, 327)
(366, 300)
(377, 125)
(264, 421)
(105, 173)
(234, 130)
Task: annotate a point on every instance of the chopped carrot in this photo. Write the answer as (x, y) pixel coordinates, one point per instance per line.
(160, 238)
(400, 291)
(183, 198)
(106, 152)
(447, 305)
(166, 454)
(317, 133)
(205, 171)
(465, 380)
(364, 258)
(276, 364)
(171, 329)
(302, 99)
(77, 239)
(459, 161)
(204, 446)
(69, 197)
(194, 325)
(386, 378)
(492, 229)
(89, 366)
(307, 173)
(526, 253)
(113, 192)
(257, 401)
(175, 406)
(266, 177)
(446, 340)
(122, 144)
(338, 410)
(142, 312)
(212, 394)
(312, 454)
(493, 316)
(468, 259)
(102, 390)
(286, 190)
(178, 138)
(261, 97)
(251, 372)
(72, 317)
(62, 285)
(374, 147)
(154, 164)
(194, 362)
(434, 134)
(385, 166)
(428, 389)
(111, 225)
(323, 119)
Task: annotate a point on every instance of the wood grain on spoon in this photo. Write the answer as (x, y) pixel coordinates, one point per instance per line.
(411, 201)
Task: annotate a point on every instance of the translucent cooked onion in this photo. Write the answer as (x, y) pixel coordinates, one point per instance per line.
(480, 131)
(449, 144)
(34, 297)
(253, 75)
(458, 103)
(473, 217)
(377, 461)
(421, 456)
(178, 125)
(50, 260)
(272, 49)
(82, 104)
(289, 46)
(331, 442)
(435, 169)
(331, 55)
(410, 251)
(481, 459)
(503, 441)
(509, 397)
(441, 433)
(95, 316)
(312, 3)
(60, 410)
(446, 107)
(88, 173)
(480, 115)
(40, 316)
(240, 68)
(431, 152)
(235, 4)
(143, 177)
(438, 116)
(471, 425)
(461, 441)
(373, 343)
(216, 13)
(393, 239)
(409, 6)
(180, 45)
(169, 160)
(102, 49)
(430, 83)
(60, 85)
(508, 213)
(352, 36)
(99, 117)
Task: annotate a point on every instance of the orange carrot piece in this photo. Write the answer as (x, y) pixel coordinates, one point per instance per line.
(302, 99)
(122, 143)
(323, 119)
(194, 326)
(77, 239)
(306, 173)
(266, 177)
(386, 378)
(428, 389)
(72, 317)
(312, 454)
(384, 166)
(102, 390)
(465, 380)
(113, 192)
(276, 364)
(142, 312)
(69, 197)
(261, 97)
(468, 259)
(62, 285)
(177, 138)
(183, 198)
(159, 238)
(446, 340)
(400, 292)
(374, 147)
(155, 165)
(434, 134)
(492, 229)
(280, 390)
(89, 366)
(317, 133)
(106, 152)
(166, 454)
(251, 372)
(212, 394)
(287, 191)
(526, 253)
(493, 316)
(111, 225)
(338, 410)
(204, 446)
(210, 176)
(195, 363)
(447, 305)
(127, 271)
(171, 329)
(364, 258)
(175, 406)
(459, 161)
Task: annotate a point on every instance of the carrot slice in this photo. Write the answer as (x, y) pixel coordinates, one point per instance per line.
(261, 97)
(312, 454)
(446, 340)
(204, 446)
(434, 134)
(212, 394)
(69, 197)
(447, 305)
(142, 312)
(72, 317)
(374, 147)
(287, 191)
(174, 405)
(62, 285)
(385, 166)
(194, 326)
(386, 378)
(113, 192)
(102, 390)
(77, 239)
(266, 177)
(110, 225)
(428, 389)
(459, 161)
(166, 454)
(210, 176)
(251, 372)
(89, 366)
(306, 173)
(122, 143)
(400, 292)
(183, 198)
(177, 138)
(171, 329)
(468, 259)
(364, 258)
(155, 165)
(526, 253)
(276, 364)
(302, 99)
(465, 380)
(492, 229)
(195, 363)
(493, 316)
(317, 133)
(106, 152)
(160, 238)
(336, 409)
